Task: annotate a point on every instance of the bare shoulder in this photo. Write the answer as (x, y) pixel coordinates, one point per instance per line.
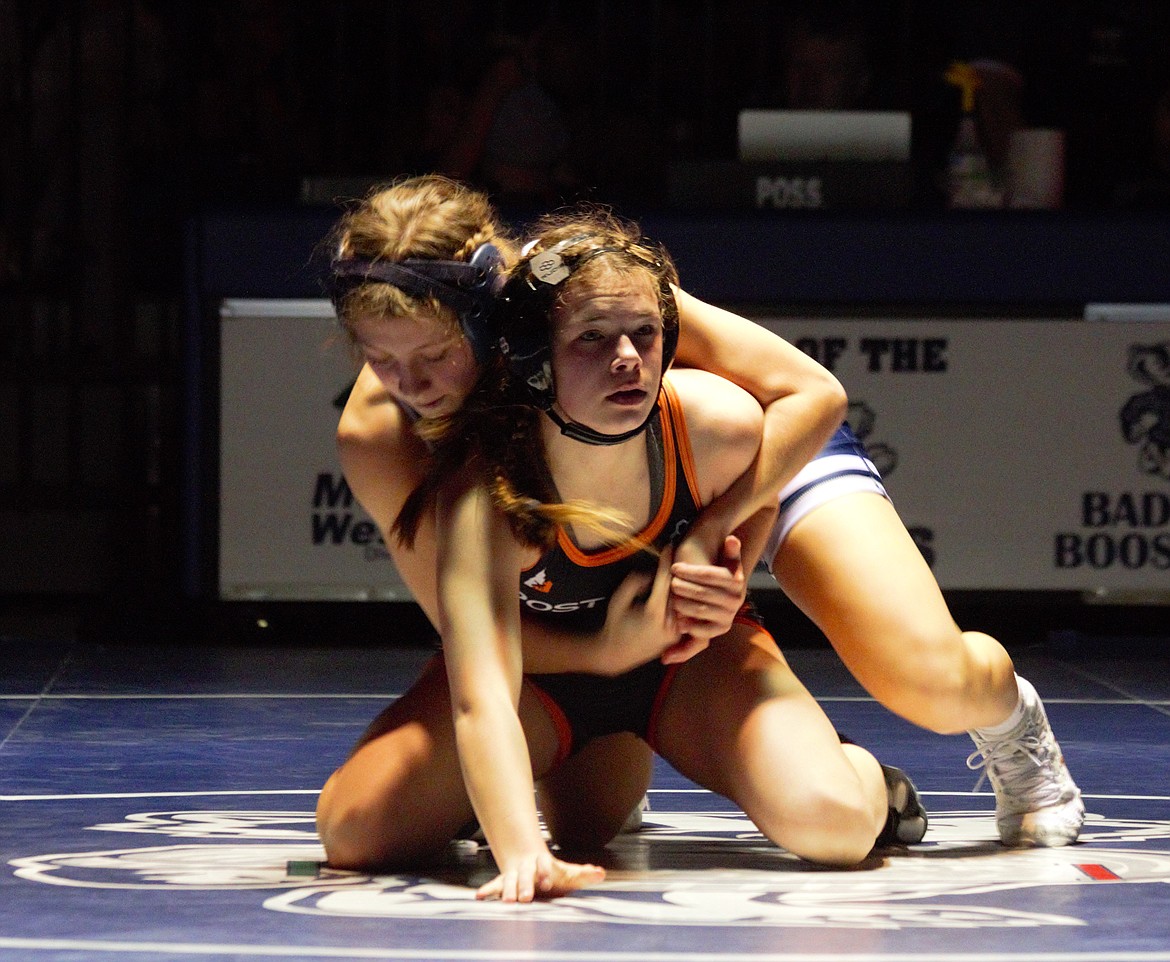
(381, 456)
(724, 425)
(373, 419)
(373, 425)
(713, 405)
(383, 461)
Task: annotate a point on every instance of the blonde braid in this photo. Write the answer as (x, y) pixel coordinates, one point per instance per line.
(430, 217)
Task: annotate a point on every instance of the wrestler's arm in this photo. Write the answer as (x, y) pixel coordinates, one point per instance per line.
(709, 579)
(803, 405)
(383, 461)
(479, 563)
(724, 425)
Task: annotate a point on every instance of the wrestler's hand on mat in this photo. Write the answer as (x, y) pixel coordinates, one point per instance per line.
(705, 597)
(639, 622)
(542, 876)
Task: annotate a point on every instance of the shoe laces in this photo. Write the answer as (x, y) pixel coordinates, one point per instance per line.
(1023, 763)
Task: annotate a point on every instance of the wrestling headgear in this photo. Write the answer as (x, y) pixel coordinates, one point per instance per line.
(524, 314)
(469, 288)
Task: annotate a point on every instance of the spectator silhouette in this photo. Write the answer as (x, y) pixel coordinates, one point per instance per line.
(513, 137)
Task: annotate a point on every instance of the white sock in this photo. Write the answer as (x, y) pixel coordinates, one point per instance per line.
(1027, 696)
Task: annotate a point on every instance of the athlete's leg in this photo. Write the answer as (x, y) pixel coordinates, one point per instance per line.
(738, 722)
(852, 567)
(400, 796)
(589, 798)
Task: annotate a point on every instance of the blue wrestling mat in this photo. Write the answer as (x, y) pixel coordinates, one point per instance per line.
(157, 804)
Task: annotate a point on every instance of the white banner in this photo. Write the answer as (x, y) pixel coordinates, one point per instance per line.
(289, 528)
(1023, 455)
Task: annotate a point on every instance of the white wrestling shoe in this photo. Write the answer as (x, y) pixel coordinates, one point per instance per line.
(1036, 801)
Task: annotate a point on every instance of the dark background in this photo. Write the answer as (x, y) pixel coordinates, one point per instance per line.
(125, 125)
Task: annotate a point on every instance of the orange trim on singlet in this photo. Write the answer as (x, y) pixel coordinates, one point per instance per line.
(671, 419)
(745, 616)
(559, 721)
(686, 452)
(659, 701)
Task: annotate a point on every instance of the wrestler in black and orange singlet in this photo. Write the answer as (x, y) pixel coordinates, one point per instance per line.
(572, 587)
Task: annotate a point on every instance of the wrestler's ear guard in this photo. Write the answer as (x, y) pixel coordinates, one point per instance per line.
(469, 287)
(526, 303)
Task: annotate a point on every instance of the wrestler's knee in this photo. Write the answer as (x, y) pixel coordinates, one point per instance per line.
(837, 830)
(931, 682)
(586, 832)
(364, 830)
(587, 801)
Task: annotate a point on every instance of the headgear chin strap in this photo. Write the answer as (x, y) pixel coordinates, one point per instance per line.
(582, 432)
(469, 288)
(523, 317)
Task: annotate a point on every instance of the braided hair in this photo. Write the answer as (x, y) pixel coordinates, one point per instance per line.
(429, 217)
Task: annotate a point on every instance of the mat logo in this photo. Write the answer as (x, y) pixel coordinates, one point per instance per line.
(269, 826)
(1145, 417)
(191, 867)
(733, 876)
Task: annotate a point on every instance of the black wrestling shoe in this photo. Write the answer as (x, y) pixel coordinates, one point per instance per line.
(471, 832)
(906, 822)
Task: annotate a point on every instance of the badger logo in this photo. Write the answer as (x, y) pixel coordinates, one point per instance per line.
(1145, 417)
(862, 418)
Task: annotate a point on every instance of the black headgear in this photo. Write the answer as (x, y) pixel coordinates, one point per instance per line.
(523, 318)
(469, 287)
